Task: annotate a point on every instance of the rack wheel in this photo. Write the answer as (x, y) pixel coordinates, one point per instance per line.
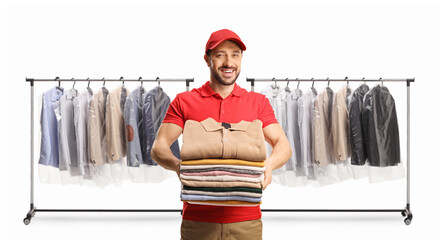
(407, 221)
(26, 221)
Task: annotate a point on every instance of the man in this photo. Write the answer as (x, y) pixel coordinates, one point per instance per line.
(223, 100)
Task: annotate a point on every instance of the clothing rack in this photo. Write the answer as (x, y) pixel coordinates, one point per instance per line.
(33, 209)
(406, 212)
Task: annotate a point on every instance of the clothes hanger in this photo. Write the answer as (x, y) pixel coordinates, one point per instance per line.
(298, 83)
(74, 83)
(141, 82)
(88, 85)
(103, 85)
(158, 81)
(346, 79)
(59, 84)
(327, 79)
(123, 82)
(287, 89)
(382, 82)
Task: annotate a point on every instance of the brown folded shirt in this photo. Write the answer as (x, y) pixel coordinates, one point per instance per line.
(211, 139)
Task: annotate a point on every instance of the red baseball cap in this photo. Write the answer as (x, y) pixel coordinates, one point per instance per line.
(216, 38)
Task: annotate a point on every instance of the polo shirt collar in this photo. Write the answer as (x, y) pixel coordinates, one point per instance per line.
(207, 91)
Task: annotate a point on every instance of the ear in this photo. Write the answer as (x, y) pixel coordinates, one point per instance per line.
(206, 58)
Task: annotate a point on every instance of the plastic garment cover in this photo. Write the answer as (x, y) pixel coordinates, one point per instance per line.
(136, 150)
(276, 96)
(49, 128)
(68, 156)
(80, 112)
(380, 124)
(96, 127)
(358, 154)
(340, 125)
(115, 126)
(305, 112)
(322, 124)
(292, 128)
(156, 103)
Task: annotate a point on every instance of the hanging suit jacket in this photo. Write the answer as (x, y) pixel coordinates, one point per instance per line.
(358, 155)
(322, 122)
(340, 125)
(134, 124)
(211, 139)
(49, 128)
(80, 112)
(381, 128)
(155, 105)
(115, 126)
(68, 156)
(96, 128)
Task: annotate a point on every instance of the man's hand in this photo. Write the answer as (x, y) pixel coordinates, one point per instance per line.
(267, 174)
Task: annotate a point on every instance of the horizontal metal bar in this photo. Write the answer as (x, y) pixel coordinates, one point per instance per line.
(331, 80)
(179, 210)
(333, 210)
(108, 210)
(109, 80)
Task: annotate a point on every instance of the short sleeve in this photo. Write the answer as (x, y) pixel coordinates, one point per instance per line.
(174, 113)
(266, 114)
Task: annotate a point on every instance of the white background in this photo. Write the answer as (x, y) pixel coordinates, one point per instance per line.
(166, 39)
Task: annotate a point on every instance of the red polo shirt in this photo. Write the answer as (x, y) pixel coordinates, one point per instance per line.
(203, 102)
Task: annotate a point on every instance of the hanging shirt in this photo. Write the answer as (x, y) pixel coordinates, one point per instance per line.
(292, 128)
(156, 103)
(68, 156)
(340, 125)
(134, 124)
(322, 122)
(381, 132)
(80, 111)
(358, 155)
(305, 117)
(115, 126)
(49, 128)
(96, 127)
(201, 103)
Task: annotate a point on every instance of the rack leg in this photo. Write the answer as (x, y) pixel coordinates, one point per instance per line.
(29, 215)
(31, 212)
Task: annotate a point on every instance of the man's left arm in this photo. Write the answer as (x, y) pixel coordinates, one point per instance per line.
(275, 136)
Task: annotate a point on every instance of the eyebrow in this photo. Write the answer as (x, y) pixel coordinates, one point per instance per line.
(222, 51)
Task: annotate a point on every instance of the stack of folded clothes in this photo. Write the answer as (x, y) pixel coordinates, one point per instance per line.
(222, 163)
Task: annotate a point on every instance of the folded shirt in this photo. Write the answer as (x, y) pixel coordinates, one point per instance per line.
(223, 178)
(219, 173)
(244, 194)
(225, 203)
(223, 161)
(212, 139)
(223, 189)
(229, 167)
(191, 197)
(196, 183)
(231, 170)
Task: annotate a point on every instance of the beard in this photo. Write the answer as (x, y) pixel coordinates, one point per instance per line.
(221, 80)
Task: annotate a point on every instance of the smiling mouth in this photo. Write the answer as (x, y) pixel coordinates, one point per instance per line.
(228, 72)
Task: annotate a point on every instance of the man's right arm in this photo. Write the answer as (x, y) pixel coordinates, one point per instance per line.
(161, 152)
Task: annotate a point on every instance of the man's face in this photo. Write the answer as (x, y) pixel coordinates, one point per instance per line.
(225, 62)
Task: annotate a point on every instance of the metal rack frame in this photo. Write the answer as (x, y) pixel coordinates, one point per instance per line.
(406, 212)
